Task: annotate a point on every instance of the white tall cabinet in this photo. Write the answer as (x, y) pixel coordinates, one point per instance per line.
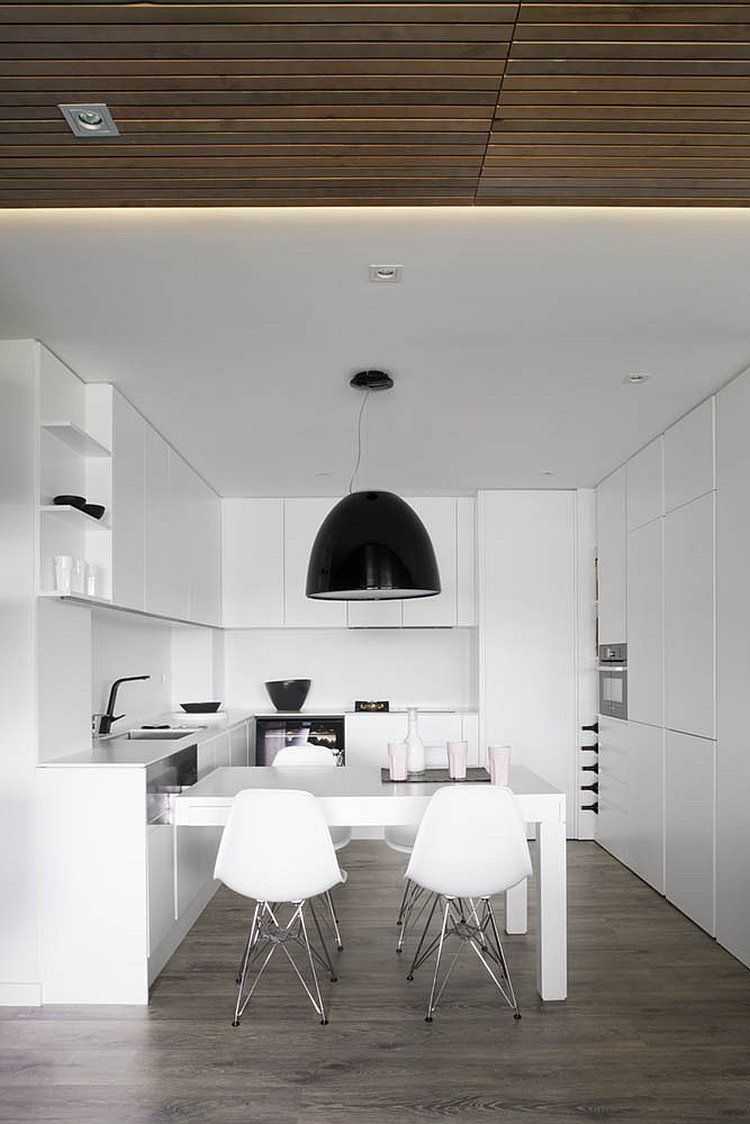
(733, 666)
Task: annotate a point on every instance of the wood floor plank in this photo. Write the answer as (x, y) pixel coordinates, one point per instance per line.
(655, 1030)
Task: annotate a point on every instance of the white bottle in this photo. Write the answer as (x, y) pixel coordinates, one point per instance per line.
(414, 745)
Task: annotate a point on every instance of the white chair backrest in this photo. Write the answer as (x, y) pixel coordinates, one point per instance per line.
(276, 847)
(304, 755)
(471, 843)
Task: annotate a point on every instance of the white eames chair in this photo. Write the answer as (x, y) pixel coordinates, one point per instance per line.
(313, 756)
(471, 844)
(276, 849)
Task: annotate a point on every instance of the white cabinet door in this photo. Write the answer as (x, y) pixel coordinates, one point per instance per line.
(158, 526)
(689, 826)
(161, 902)
(222, 750)
(689, 457)
(302, 519)
(644, 617)
(205, 563)
(128, 497)
(206, 762)
(239, 745)
(611, 553)
(466, 561)
(183, 533)
(612, 823)
(733, 667)
(366, 737)
(438, 513)
(645, 485)
(374, 614)
(645, 815)
(195, 855)
(689, 618)
(253, 563)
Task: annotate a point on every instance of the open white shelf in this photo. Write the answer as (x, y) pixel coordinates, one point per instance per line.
(76, 438)
(74, 516)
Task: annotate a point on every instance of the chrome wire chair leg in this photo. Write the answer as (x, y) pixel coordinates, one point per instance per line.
(319, 1007)
(430, 1003)
(334, 920)
(418, 902)
(323, 957)
(420, 958)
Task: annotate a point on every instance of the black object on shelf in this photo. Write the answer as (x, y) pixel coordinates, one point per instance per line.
(594, 727)
(96, 510)
(370, 706)
(200, 707)
(590, 768)
(288, 694)
(591, 748)
(70, 501)
(591, 808)
(590, 787)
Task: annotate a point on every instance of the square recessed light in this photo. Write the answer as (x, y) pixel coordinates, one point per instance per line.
(90, 119)
(385, 274)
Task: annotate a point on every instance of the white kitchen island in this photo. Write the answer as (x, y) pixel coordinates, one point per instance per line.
(356, 796)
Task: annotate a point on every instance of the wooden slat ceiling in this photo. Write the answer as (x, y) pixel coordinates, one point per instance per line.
(337, 103)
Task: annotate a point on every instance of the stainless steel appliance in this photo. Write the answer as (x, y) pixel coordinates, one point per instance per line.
(613, 680)
(166, 779)
(271, 733)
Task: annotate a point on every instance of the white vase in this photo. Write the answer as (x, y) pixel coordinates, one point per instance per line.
(414, 745)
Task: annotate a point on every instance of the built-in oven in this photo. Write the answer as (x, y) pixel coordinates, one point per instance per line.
(613, 680)
(271, 733)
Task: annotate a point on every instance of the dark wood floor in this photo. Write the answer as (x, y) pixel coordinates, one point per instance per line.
(657, 1027)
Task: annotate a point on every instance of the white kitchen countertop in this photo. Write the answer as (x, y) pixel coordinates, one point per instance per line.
(121, 751)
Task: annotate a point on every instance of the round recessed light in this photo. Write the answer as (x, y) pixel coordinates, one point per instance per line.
(90, 118)
(637, 377)
(548, 472)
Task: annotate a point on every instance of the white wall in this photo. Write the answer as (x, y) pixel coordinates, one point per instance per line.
(18, 932)
(123, 645)
(197, 665)
(409, 667)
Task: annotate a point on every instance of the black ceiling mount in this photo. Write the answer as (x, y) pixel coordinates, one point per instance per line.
(371, 380)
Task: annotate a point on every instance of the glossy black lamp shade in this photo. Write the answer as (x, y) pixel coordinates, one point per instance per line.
(370, 547)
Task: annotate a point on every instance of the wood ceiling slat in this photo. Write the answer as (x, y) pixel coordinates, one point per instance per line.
(311, 69)
(319, 118)
(638, 13)
(225, 53)
(602, 83)
(646, 115)
(177, 12)
(194, 164)
(196, 34)
(563, 34)
(408, 145)
(645, 52)
(688, 68)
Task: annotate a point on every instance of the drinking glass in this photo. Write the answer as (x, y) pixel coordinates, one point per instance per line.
(397, 760)
(499, 756)
(457, 754)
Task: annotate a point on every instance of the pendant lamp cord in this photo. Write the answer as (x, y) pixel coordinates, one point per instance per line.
(359, 441)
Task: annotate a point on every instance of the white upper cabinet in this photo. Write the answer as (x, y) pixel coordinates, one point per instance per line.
(645, 485)
(438, 513)
(128, 498)
(158, 529)
(611, 552)
(252, 563)
(204, 561)
(645, 628)
(302, 519)
(689, 789)
(466, 561)
(689, 618)
(689, 457)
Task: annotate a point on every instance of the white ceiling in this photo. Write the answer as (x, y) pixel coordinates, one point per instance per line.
(236, 331)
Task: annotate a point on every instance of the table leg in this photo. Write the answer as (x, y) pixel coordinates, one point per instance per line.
(552, 948)
(516, 913)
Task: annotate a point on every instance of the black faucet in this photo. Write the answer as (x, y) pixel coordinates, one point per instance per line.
(106, 719)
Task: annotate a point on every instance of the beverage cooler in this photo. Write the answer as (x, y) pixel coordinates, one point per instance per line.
(271, 733)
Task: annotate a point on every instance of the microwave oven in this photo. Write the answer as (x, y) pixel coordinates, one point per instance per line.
(613, 680)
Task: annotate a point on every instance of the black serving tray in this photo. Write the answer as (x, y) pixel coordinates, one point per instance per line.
(438, 776)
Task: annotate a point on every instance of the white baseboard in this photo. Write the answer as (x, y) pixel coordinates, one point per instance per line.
(20, 994)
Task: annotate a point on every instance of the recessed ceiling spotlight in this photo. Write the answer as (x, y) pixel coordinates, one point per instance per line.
(637, 377)
(548, 472)
(386, 273)
(90, 119)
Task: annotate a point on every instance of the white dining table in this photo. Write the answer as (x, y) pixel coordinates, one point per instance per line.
(356, 796)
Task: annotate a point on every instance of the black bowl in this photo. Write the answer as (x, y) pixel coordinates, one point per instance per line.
(288, 694)
(95, 509)
(201, 708)
(70, 501)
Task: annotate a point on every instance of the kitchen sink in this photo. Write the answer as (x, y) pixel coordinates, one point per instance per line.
(163, 735)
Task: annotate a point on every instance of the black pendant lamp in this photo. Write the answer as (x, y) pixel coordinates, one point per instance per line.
(372, 546)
